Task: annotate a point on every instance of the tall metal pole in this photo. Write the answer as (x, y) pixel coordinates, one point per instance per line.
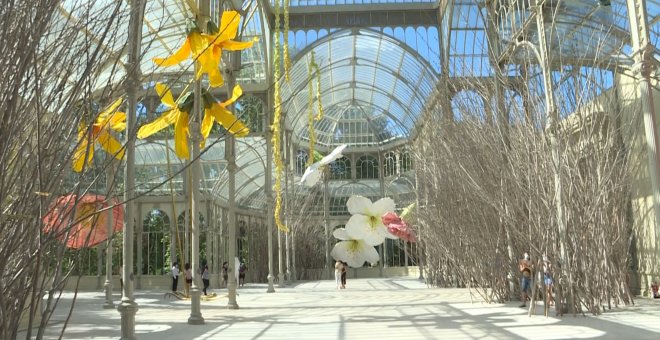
(127, 307)
(268, 188)
(280, 253)
(381, 185)
(326, 223)
(196, 317)
(230, 152)
(107, 286)
(293, 256)
(645, 65)
(289, 176)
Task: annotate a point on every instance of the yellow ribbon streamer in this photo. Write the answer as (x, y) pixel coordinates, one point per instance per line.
(277, 116)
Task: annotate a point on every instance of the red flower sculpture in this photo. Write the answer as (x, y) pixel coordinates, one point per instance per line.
(398, 227)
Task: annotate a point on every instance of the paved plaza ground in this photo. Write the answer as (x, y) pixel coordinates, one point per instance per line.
(393, 308)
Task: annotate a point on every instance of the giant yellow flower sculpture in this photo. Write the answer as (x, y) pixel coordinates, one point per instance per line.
(178, 114)
(109, 119)
(206, 49)
(216, 111)
(173, 115)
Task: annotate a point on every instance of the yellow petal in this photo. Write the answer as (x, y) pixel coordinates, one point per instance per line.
(207, 124)
(110, 144)
(165, 95)
(180, 55)
(79, 156)
(104, 115)
(166, 119)
(198, 44)
(233, 45)
(235, 94)
(215, 78)
(208, 63)
(228, 120)
(181, 136)
(117, 121)
(228, 25)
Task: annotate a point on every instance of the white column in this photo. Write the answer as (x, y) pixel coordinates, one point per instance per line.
(230, 153)
(268, 187)
(280, 260)
(139, 228)
(644, 66)
(288, 211)
(294, 275)
(224, 213)
(186, 216)
(329, 269)
(231, 239)
(127, 307)
(381, 184)
(195, 139)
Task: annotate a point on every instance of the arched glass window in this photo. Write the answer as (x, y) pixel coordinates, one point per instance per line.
(405, 161)
(340, 169)
(338, 206)
(301, 162)
(155, 242)
(184, 226)
(367, 167)
(389, 164)
(242, 240)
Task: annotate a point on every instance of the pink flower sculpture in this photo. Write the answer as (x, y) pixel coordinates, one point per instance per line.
(398, 227)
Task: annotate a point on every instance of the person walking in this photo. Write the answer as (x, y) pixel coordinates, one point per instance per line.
(205, 278)
(225, 273)
(189, 278)
(338, 268)
(175, 276)
(344, 269)
(547, 279)
(525, 266)
(241, 274)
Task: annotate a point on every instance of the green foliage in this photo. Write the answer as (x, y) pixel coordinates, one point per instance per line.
(155, 243)
(250, 110)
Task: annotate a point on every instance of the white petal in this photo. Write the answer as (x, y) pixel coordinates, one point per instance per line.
(312, 175)
(341, 234)
(359, 227)
(352, 252)
(383, 205)
(358, 205)
(313, 178)
(334, 155)
(371, 254)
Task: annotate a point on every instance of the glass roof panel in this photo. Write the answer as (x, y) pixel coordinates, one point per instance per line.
(163, 32)
(303, 3)
(250, 163)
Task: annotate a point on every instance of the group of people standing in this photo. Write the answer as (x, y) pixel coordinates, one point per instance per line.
(204, 272)
(526, 268)
(340, 274)
(188, 277)
(242, 268)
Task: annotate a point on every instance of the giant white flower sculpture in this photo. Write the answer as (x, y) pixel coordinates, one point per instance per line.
(352, 251)
(312, 175)
(366, 223)
(313, 172)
